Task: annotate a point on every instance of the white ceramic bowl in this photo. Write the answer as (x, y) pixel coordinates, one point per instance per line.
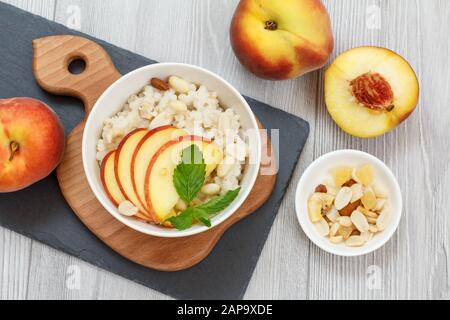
(112, 101)
(319, 171)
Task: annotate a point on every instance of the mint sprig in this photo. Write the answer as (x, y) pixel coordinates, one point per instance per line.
(220, 203)
(202, 213)
(189, 177)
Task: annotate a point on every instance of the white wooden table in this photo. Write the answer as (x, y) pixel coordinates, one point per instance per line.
(414, 264)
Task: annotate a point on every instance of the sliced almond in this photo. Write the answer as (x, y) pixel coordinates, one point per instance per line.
(337, 240)
(367, 236)
(371, 214)
(334, 229)
(372, 220)
(380, 205)
(383, 220)
(333, 214)
(369, 200)
(360, 221)
(323, 228)
(355, 241)
(343, 198)
(368, 213)
(345, 221)
(345, 232)
(357, 192)
(128, 209)
(379, 191)
(373, 229)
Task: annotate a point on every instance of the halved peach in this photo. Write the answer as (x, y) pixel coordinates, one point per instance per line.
(143, 155)
(122, 166)
(370, 90)
(108, 178)
(160, 193)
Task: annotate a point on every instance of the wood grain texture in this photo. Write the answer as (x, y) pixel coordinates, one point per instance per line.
(415, 264)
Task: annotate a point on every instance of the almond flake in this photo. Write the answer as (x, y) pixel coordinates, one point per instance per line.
(343, 198)
(128, 209)
(323, 228)
(360, 221)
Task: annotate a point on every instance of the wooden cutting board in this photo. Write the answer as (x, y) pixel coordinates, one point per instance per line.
(51, 59)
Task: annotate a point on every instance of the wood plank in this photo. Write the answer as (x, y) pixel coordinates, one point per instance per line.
(15, 250)
(15, 265)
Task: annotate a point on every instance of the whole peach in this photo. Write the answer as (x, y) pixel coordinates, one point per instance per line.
(281, 40)
(31, 142)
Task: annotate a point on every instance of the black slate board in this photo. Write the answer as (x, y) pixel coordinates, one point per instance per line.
(41, 213)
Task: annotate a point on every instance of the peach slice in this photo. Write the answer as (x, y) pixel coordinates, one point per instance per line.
(370, 90)
(122, 166)
(108, 178)
(143, 155)
(160, 193)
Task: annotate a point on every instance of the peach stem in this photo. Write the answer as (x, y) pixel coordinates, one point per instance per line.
(14, 147)
(271, 25)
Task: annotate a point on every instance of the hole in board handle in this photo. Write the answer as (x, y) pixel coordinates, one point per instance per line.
(77, 66)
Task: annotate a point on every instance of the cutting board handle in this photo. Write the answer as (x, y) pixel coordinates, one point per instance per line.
(52, 57)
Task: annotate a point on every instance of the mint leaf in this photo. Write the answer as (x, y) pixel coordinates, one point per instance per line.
(183, 221)
(202, 217)
(219, 204)
(186, 219)
(189, 175)
(188, 178)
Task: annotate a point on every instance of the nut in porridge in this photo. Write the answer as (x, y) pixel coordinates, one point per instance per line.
(159, 84)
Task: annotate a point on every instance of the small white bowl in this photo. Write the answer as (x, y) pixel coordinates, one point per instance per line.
(319, 171)
(112, 101)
